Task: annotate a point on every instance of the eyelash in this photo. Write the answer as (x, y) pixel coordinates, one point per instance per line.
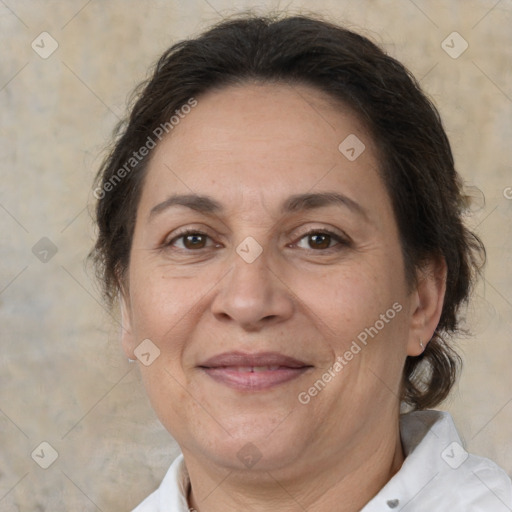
(341, 241)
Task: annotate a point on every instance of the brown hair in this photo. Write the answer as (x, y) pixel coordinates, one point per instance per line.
(416, 160)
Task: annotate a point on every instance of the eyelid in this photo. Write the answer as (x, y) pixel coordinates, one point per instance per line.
(181, 233)
(341, 238)
(335, 232)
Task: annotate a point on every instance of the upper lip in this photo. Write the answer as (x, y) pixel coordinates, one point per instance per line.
(238, 359)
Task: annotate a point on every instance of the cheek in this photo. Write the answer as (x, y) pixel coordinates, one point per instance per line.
(346, 302)
(162, 305)
(165, 388)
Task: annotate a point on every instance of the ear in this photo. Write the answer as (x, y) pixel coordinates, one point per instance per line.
(427, 304)
(127, 340)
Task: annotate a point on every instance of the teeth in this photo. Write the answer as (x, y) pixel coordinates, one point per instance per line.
(254, 369)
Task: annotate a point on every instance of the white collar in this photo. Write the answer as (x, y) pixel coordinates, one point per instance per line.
(437, 474)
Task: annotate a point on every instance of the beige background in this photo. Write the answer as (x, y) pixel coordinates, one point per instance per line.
(63, 378)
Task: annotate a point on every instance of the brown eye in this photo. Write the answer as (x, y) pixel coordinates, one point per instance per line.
(319, 240)
(191, 240)
(322, 241)
(194, 241)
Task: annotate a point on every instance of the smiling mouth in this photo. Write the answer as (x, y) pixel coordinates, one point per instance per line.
(253, 372)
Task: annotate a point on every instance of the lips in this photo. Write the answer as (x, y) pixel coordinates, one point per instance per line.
(253, 372)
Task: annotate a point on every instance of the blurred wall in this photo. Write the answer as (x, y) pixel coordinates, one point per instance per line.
(63, 378)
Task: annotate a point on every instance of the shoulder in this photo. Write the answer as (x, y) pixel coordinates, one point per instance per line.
(172, 492)
(150, 504)
(439, 474)
(458, 478)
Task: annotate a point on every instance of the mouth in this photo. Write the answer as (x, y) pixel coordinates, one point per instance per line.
(253, 372)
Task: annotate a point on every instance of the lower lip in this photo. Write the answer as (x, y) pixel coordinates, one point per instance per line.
(254, 381)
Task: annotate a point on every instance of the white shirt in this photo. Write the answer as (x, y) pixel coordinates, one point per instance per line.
(437, 475)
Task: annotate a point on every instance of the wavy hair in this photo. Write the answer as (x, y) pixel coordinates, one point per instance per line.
(416, 161)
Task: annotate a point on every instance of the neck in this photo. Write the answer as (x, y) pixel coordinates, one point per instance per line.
(346, 480)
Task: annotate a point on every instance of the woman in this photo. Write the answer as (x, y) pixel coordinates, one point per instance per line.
(280, 220)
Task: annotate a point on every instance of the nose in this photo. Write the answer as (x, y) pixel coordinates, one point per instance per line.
(253, 295)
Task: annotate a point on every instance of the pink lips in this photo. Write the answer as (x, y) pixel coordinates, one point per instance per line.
(253, 372)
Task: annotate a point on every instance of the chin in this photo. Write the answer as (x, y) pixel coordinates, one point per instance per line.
(256, 443)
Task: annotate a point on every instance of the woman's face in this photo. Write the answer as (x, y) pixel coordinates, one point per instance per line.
(279, 325)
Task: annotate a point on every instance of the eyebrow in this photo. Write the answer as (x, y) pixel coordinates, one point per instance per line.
(299, 202)
(199, 203)
(311, 201)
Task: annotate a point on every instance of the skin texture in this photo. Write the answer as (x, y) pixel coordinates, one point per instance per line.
(250, 148)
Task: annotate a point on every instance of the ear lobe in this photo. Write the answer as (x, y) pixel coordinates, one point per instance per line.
(127, 341)
(429, 299)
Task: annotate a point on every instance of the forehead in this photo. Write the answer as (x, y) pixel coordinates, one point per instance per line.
(288, 116)
(263, 141)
